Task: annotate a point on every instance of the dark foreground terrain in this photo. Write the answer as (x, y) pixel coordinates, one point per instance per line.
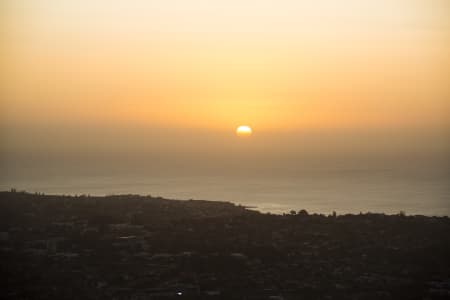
(133, 247)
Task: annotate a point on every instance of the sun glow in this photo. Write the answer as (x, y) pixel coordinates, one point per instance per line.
(244, 131)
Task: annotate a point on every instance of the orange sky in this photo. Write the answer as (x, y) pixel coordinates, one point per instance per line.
(218, 64)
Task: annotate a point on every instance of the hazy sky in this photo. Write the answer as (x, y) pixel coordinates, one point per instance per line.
(168, 81)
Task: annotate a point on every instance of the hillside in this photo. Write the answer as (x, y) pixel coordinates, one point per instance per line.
(136, 247)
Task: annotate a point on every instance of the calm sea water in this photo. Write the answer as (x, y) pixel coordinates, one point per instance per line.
(350, 191)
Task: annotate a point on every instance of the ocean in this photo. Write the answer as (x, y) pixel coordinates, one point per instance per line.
(342, 191)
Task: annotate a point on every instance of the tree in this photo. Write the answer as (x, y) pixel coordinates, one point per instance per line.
(302, 212)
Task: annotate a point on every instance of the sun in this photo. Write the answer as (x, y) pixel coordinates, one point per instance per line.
(244, 130)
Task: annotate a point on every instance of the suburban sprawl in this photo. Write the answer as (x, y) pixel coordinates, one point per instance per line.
(144, 247)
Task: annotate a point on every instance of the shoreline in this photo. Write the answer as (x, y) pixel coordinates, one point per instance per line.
(249, 207)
